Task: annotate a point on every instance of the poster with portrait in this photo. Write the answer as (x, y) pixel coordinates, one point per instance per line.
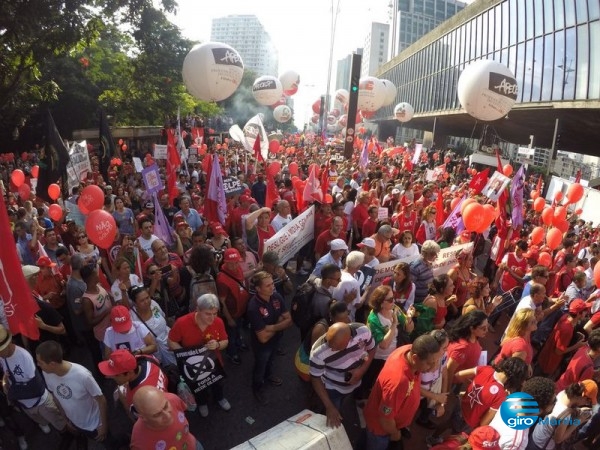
(199, 367)
(495, 186)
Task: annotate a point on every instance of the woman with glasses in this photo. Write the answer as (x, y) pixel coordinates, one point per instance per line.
(428, 228)
(402, 286)
(148, 313)
(384, 321)
(406, 247)
(85, 248)
(123, 282)
(517, 339)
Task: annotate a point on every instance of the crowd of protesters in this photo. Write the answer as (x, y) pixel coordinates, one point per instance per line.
(440, 352)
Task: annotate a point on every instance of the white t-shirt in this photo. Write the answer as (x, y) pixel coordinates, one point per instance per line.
(383, 353)
(158, 324)
(75, 391)
(400, 251)
(22, 367)
(510, 439)
(132, 340)
(542, 433)
(346, 285)
(279, 222)
(146, 244)
(526, 303)
(116, 292)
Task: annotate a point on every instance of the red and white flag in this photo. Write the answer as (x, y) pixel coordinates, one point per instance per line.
(312, 190)
(173, 164)
(215, 205)
(19, 304)
(479, 181)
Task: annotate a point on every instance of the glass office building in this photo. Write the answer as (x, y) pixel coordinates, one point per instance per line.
(552, 47)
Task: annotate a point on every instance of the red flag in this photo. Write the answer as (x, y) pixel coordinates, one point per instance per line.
(479, 181)
(173, 163)
(440, 217)
(499, 168)
(272, 192)
(539, 185)
(19, 304)
(215, 204)
(256, 148)
(577, 176)
(503, 197)
(325, 180)
(311, 190)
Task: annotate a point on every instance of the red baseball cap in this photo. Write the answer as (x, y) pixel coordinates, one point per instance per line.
(578, 306)
(119, 361)
(232, 255)
(484, 438)
(120, 319)
(44, 261)
(217, 228)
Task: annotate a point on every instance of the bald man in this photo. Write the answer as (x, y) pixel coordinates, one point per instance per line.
(161, 422)
(338, 361)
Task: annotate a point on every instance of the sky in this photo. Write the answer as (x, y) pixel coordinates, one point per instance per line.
(300, 30)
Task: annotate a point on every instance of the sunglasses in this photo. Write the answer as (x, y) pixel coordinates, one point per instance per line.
(389, 300)
(81, 236)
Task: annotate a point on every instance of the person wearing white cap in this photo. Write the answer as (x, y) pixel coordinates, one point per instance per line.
(348, 289)
(335, 255)
(367, 246)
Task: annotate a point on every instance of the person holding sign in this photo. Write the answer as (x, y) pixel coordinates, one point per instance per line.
(204, 328)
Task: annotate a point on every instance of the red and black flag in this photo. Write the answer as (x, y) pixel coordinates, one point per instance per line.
(53, 160)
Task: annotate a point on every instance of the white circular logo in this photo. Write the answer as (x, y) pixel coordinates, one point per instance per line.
(160, 445)
(494, 389)
(181, 417)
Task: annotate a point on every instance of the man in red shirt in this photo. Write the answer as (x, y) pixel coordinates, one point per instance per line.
(335, 232)
(161, 423)
(396, 394)
(558, 263)
(557, 345)
(359, 215)
(369, 226)
(581, 366)
(407, 219)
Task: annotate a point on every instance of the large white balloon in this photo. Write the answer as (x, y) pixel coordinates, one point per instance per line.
(371, 94)
(212, 71)
(403, 112)
(342, 96)
(282, 113)
(390, 92)
(343, 120)
(290, 81)
(331, 120)
(487, 90)
(267, 90)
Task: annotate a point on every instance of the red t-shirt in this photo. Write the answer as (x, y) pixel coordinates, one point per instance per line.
(323, 241)
(508, 282)
(465, 353)
(360, 213)
(560, 338)
(369, 227)
(581, 367)
(150, 375)
(186, 332)
(484, 393)
(515, 345)
(404, 223)
(176, 436)
(396, 394)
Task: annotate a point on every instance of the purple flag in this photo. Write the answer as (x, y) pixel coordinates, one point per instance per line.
(364, 156)
(161, 225)
(454, 220)
(516, 192)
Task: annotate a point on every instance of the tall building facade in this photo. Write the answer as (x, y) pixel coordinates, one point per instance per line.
(375, 50)
(246, 34)
(343, 68)
(413, 19)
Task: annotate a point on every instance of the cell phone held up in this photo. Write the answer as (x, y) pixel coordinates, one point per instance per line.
(166, 270)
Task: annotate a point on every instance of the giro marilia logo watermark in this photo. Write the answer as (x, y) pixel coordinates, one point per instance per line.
(520, 411)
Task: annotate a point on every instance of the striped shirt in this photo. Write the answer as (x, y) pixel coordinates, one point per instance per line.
(421, 274)
(331, 366)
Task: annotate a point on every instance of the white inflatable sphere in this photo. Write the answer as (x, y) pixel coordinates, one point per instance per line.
(390, 92)
(487, 90)
(212, 71)
(282, 113)
(267, 90)
(343, 120)
(315, 118)
(331, 120)
(371, 94)
(290, 80)
(342, 96)
(403, 112)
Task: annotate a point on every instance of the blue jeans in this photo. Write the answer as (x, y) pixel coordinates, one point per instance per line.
(376, 442)
(337, 398)
(263, 360)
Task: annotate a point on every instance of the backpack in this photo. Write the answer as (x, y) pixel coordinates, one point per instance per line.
(201, 284)
(301, 307)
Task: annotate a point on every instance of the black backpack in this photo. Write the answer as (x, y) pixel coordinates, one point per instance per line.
(301, 308)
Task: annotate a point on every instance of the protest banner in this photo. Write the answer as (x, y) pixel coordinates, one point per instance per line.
(382, 213)
(232, 186)
(445, 261)
(291, 238)
(160, 151)
(152, 181)
(199, 367)
(79, 164)
(137, 163)
(193, 154)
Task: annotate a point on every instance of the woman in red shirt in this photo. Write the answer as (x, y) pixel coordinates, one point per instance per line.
(203, 328)
(464, 349)
(517, 340)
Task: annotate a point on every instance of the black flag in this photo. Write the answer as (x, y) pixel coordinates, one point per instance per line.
(107, 146)
(53, 163)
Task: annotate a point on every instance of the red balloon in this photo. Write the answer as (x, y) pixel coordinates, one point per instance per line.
(55, 212)
(548, 215)
(546, 260)
(489, 215)
(474, 217)
(454, 202)
(553, 238)
(24, 192)
(539, 204)
(316, 107)
(534, 194)
(537, 235)
(274, 147)
(558, 196)
(293, 168)
(17, 177)
(274, 168)
(578, 211)
(575, 192)
(101, 228)
(507, 170)
(91, 198)
(560, 214)
(562, 225)
(54, 191)
(35, 171)
(328, 199)
(466, 203)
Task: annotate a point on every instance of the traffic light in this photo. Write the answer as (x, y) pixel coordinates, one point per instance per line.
(352, 106)
(354, 82)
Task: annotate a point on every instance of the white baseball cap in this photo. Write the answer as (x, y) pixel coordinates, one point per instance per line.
(338, 244)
